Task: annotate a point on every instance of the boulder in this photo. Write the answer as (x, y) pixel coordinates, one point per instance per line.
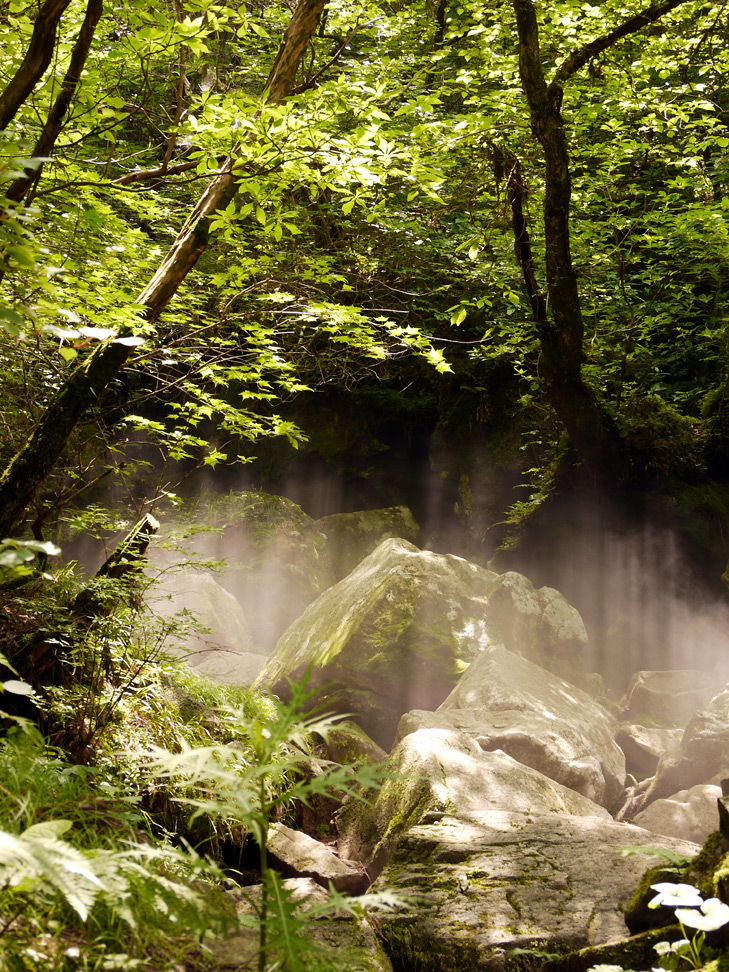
(274, 556)
(502, 880)
(347, 744)
(506, 702)
(643, 747)
(398, 631)
(539, 624)
(294, 854)
(207, 626)
(438, 771)
(703, 754)
(393, 635)
(353, 536)
(670, 698)
(332, 943)
(689, 814)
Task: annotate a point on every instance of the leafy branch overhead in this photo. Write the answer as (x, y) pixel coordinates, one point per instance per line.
(212, 210)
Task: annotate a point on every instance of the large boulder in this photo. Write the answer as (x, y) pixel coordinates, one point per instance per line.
(439, 771)
(273, 556)
(670, 698)
(353, 536)
(644, 745)
(393, 635)
(689, 814)
(398, 631)
(502, 880)
(207, 626)
(539, 624)
(506, 702)
(703, 755)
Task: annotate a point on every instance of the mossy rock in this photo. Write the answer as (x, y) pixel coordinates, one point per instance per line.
(353, 536)
(273, 556)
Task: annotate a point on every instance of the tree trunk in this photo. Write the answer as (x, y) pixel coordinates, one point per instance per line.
(54, 123)
(35, 63)
(86, 383)
(590, 428)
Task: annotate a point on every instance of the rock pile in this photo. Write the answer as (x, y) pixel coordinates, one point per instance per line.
(515, 786)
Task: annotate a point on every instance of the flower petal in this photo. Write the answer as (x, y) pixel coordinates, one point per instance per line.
(697, 919)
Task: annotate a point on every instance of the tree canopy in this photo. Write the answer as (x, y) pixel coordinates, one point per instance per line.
(211, 207)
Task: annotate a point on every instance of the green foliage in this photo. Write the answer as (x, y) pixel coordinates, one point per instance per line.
(85, 870)
(247, 783)
(75, 855)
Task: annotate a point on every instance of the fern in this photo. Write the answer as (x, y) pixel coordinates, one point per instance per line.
(247, 783)
(37, 858)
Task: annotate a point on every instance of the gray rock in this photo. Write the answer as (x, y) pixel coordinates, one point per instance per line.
(689, 814)
(539, 624)
(670, 698)
(507, 702)
(297, 855)
(346, 743)
(703, 755)
(437, 771)
(505, 880)
(209, 626)
(353, 536)
(399, 630)
(393, 635)
(338, 942)
(643, 747)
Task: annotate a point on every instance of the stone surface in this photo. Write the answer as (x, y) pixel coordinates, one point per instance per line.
(437, 771)
(399, 630)
(274, 554)
(670, 698)
(346, 743)
(353, 536)
(643, 747)
(336, 942)
(507, 702)
(210, 629)
(393, 635)
(689, 814)
(539, 624)
(702, 756)
(505, 880)
(294, 854)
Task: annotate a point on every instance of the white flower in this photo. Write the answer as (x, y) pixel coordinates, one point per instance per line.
(713, 914)
(607, 968)
(675, 896)
(681, 945)
(663, 948)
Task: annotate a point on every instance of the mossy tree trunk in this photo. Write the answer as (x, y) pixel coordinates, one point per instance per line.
(558, 319)
(56, 116)
(85, 385)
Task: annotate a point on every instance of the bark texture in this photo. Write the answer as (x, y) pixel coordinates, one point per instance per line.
(54, 122)
(560, 325)
(85, 385)
(35, 63)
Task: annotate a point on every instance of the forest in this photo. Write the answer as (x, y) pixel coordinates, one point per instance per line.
(458, 271)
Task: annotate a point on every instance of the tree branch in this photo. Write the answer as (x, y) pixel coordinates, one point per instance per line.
(36, 60)
(579, 57)
(54, 122)
(85, 385)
